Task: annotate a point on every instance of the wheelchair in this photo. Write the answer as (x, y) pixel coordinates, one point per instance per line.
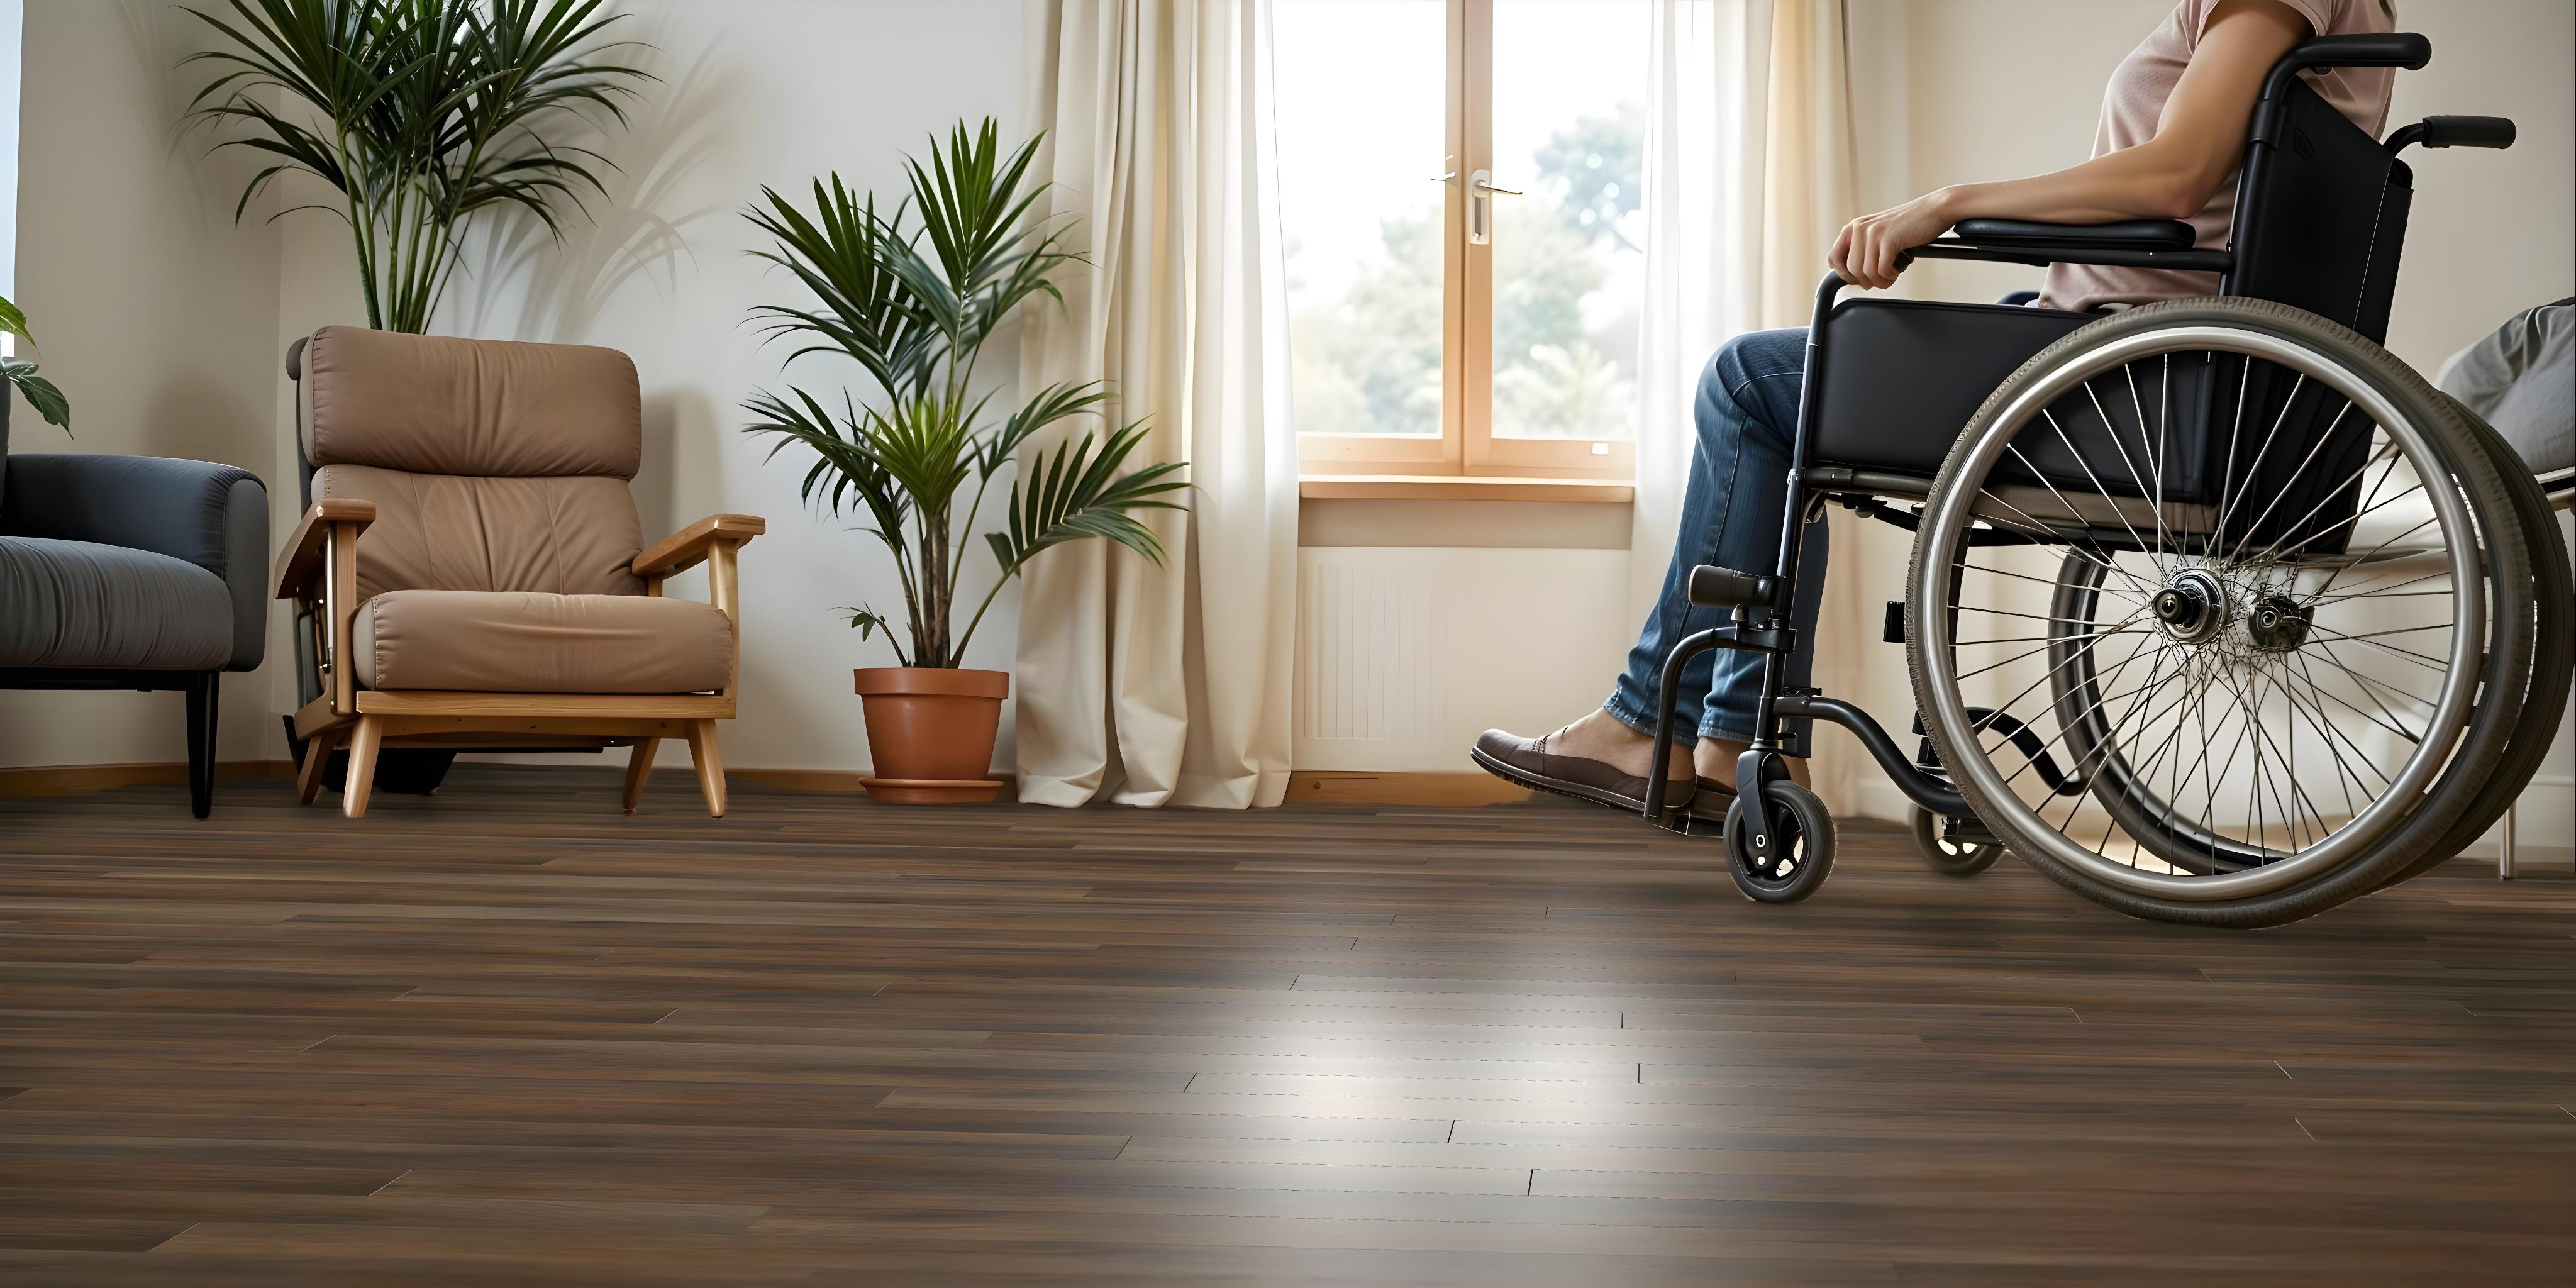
(2217, 614)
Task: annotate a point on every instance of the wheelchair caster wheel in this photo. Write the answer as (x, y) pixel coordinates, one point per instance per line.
(1796, 862)
(1948, 857)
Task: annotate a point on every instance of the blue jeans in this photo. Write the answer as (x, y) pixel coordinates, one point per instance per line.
(1746, 412)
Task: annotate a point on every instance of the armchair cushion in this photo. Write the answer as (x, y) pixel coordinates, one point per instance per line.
(565, 535)
(493, 408)
(526, 642)
(212, 516)
(84, 604)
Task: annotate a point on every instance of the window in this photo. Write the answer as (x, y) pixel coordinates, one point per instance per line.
(1459, 184)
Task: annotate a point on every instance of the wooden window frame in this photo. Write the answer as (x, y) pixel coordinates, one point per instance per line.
(1467, 446)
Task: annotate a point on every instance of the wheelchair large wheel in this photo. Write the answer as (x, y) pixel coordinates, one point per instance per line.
(2553, 666)
(2260, 593)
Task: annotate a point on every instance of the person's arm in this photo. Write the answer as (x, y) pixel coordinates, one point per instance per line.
(2200, 140)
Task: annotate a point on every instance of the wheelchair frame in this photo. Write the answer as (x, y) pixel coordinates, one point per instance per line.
(1761, 602)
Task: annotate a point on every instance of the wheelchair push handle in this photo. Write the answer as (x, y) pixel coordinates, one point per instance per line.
(2455, 132)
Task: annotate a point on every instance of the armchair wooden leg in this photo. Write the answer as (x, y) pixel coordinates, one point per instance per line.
(362, 765)
(203, 689)
(702, 749)
(317, 753)
(639, 766)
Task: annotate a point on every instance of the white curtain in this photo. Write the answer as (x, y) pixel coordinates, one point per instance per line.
(1138, 684)
(1749, 173)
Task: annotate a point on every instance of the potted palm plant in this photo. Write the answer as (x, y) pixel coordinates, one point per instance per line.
(417, 114)
(911, 297)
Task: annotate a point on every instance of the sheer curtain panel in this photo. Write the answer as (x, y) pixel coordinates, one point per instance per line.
(1138, 684)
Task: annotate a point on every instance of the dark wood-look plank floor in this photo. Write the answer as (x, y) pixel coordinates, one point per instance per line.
(508, 1036)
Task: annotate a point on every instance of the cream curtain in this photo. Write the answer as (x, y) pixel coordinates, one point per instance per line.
(1137, 684)
(1750, 172)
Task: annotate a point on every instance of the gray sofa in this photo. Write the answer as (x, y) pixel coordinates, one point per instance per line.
(132, 572)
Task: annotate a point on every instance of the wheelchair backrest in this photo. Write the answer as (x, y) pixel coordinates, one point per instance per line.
(2320, 212)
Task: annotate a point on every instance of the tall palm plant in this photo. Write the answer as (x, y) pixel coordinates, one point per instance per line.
(912, 297)
(418, 113)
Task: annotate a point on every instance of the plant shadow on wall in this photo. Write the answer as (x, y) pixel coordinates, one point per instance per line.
(912, 297)
(571, 274)
(418, 114)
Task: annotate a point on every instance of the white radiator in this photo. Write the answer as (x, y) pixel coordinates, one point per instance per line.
(1404, 654)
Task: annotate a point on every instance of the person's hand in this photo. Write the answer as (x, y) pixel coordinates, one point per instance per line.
(1866, 250)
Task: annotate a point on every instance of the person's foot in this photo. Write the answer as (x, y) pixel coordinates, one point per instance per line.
(1595, 758)
(1714, 759)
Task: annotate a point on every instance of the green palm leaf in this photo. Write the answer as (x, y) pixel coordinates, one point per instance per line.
(429, 111)
(912, 296)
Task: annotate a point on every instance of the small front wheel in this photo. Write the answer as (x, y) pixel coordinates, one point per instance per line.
(1799, 856)
(1949, 857)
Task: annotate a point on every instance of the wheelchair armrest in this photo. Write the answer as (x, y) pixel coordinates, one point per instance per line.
(2125, 234)
(2376, 49)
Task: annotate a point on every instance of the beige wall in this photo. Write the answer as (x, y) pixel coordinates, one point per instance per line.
(155, 311)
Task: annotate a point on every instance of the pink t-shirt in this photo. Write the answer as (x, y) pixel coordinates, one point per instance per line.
(2134, 105)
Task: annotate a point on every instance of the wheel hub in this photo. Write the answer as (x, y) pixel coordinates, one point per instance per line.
(2192, 607)
(2277, 625)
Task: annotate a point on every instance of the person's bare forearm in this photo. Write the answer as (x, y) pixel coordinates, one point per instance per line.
(2144, 182)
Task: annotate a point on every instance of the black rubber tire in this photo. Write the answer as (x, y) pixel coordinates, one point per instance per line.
(2553, 662)
(1949, 858)
(1810, 845)
(2491, 726)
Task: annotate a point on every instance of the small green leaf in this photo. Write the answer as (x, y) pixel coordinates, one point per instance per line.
(13, 321)
(40, 392)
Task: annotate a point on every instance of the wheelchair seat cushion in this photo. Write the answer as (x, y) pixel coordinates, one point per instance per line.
(531, 642)
(2126, 234)
(81, 604)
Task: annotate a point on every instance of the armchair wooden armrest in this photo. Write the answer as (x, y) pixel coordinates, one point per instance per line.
(691, 545)
(300, 563)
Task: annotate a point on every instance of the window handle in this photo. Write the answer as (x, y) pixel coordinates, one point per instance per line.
(1480, 201)
(1443, 178)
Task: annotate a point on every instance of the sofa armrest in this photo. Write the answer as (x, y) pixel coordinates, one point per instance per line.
(213, 516)
(689, 545)
(299, 564)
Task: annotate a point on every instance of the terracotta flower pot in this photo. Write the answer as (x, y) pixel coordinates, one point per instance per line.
(931, 732)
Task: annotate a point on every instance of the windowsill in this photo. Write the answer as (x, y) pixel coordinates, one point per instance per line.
(1454, 487)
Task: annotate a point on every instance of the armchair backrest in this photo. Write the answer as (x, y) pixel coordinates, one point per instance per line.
(493, 465)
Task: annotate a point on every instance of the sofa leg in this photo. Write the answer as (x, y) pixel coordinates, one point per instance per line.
(203, 689)
(362, 765)
(639, 766)
(317, 755)
(702, 749)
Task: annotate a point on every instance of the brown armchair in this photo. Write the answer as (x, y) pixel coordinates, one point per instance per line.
(473, 570)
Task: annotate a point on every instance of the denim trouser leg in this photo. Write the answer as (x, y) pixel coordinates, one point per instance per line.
(1746, 411)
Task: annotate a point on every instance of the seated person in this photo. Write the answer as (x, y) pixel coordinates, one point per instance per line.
(2170, 141)
(2522, 379)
